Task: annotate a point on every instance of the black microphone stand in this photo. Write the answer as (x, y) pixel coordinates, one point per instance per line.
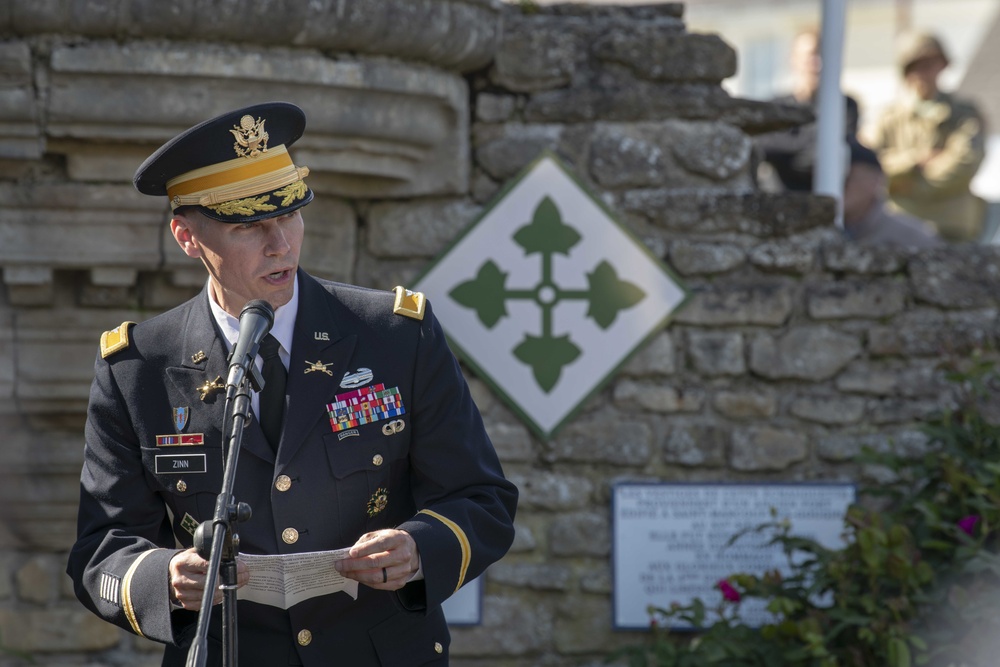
(221, 547)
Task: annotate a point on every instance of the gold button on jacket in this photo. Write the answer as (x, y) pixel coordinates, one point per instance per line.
(290, 536)
(283, 483)
(304, 638)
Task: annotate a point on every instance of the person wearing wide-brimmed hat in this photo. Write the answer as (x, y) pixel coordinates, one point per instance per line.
(931, 144)
(364, 435)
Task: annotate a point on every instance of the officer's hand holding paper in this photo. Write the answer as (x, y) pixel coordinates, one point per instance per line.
(285, 580)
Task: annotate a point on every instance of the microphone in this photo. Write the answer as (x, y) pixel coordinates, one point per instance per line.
(255, 321)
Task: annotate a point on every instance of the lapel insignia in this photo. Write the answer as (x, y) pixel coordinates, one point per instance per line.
(394, 427)
(210, 387)
(321, 335)
(181, 418)
(198, 357)
(357, 378)
(319, 366)
(378, 501)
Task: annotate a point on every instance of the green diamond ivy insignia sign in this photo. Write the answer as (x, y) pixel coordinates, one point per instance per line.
(546, 295)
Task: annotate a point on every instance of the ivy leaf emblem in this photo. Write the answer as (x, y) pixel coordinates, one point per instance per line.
(484, 294)
(547, 233)
(609, 294)
(547, 355)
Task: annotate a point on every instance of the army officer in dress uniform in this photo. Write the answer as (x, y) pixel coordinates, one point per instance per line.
(378, 445)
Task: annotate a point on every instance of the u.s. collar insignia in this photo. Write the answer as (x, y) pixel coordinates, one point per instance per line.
(378, 501)
(251, 139)
(198, 357)
(210, 387)
(319, 366)
(181, 418)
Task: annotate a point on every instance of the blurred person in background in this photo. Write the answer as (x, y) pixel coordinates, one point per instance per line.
(931, 144)
(867, 219)
(788, 157)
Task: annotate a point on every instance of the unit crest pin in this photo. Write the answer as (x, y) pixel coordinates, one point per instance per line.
(181, 418)
(378, 501)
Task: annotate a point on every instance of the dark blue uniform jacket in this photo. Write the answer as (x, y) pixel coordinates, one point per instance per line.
(430, 471)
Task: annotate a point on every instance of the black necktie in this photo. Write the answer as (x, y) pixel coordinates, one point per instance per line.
(272, 398)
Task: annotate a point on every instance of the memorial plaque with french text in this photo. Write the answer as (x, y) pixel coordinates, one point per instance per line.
(671, 541)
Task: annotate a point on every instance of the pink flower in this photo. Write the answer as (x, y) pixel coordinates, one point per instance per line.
(728, 591)
(968, 523)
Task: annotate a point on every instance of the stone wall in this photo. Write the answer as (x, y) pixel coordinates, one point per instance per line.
(794, 350)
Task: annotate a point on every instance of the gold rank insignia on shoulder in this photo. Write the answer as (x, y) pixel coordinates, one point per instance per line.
(115, 340)
(409, 304)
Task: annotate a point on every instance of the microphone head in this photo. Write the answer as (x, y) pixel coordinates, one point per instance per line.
(259, 307)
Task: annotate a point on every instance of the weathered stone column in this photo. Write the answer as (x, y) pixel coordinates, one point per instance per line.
(88, 89)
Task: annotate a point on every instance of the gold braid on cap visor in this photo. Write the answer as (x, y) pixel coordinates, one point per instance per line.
(234, 179)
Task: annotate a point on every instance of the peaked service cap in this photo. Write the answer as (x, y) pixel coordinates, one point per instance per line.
(234, 167)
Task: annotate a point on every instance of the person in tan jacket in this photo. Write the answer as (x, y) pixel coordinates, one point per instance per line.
(931, 144)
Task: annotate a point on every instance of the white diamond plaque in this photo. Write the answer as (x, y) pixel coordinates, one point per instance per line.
(546, 295)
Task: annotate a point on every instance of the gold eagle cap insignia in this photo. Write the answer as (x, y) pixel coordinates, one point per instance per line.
(251, 139)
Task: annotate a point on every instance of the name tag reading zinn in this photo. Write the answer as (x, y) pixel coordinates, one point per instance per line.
(180, 463)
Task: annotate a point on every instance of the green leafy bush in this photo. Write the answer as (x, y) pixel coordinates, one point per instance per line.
(917, 581)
